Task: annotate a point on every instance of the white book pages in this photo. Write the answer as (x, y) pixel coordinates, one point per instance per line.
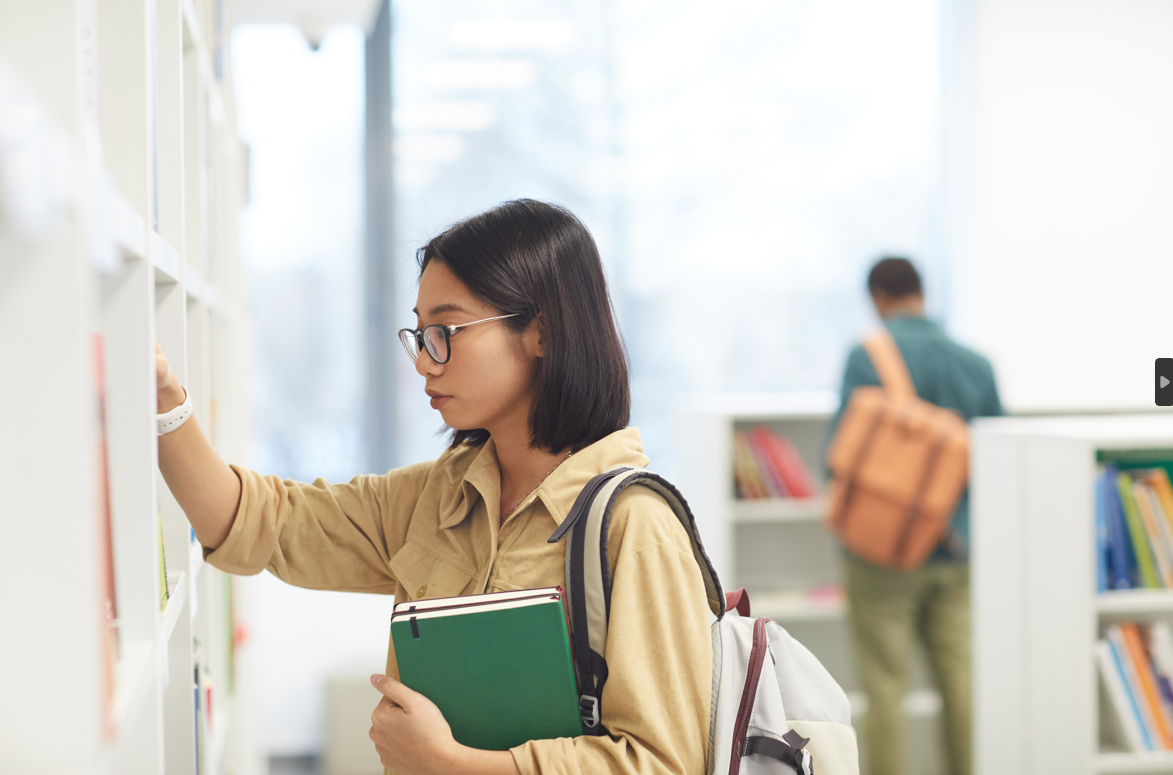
(493, 601)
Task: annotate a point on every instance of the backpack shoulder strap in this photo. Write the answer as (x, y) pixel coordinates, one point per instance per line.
(889, 363)
(588, 575)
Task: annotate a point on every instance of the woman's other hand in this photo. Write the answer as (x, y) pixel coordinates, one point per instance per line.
(412, 737)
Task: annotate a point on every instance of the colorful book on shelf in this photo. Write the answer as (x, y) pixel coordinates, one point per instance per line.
(786, 462)
(1158, 534)
(1160, 643)
(771, 477)
(1102, 541)
(1150, 693)
(498, 666)
(1122, 705)
(1158, 479)
(749, 484)
(1148, 724)
(1137, 533)
(164, 591)
(1122, 563)
(108, 598)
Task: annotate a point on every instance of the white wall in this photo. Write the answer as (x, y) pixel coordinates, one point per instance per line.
(1061, 172)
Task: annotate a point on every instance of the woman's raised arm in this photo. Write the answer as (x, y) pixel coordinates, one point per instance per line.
(206, 488)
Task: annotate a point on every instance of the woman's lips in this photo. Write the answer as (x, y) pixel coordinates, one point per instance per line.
(438, 402)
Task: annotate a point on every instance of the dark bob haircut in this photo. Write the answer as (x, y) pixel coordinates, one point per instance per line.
(894, 276)
(526, 257)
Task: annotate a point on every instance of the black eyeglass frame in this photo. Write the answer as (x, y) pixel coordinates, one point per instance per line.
(448, 331)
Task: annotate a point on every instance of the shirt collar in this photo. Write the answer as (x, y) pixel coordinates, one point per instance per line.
(481, 477)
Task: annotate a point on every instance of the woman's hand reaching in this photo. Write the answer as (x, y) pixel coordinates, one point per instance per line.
(170, 392)
(412, 737)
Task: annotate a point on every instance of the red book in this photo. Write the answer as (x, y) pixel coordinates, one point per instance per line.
(786, 459)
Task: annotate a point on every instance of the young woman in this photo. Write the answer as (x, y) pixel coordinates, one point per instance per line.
(518, 348)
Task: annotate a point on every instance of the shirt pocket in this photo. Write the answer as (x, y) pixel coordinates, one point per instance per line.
(423, 575)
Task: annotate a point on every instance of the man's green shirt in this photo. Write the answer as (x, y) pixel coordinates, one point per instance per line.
(944, 373)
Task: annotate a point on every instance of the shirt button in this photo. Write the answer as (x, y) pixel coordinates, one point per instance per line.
(421, 591)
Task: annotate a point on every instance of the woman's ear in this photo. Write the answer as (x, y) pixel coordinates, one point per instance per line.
(534, 337)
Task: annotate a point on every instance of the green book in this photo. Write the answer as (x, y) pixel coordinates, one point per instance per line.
(498, 666)
(1136, 530)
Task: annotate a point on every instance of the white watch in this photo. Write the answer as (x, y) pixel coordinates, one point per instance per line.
(176, 417)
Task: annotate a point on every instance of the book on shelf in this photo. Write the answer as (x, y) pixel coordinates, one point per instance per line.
(498, 665)
(1133, 529)
(164, 590)
(767, 465)
(108, 599)
(1135, 663)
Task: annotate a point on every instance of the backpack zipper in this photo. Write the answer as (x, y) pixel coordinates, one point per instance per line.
(757, 657)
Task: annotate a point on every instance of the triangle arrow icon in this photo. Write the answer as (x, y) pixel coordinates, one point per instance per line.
(1164, 382)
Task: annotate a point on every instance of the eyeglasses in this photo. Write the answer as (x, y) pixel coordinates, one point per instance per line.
(436, 339)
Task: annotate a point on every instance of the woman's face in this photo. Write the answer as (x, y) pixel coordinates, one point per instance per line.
(488, 381)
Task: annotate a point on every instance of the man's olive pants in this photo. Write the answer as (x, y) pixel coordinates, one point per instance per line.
(888, 611)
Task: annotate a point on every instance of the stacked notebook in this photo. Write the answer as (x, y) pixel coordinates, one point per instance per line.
(498, 666)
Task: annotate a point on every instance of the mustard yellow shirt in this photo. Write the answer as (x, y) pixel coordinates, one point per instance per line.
(431, 530)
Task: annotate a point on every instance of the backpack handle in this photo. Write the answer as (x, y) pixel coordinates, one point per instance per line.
(738, 599)
(889, 363)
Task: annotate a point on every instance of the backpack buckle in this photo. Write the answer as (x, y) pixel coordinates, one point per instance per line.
(588, 706)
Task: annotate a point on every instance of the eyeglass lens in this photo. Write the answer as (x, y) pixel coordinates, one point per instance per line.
(434, 338)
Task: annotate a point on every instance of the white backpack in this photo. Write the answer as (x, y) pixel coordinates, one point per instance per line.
(775, 709)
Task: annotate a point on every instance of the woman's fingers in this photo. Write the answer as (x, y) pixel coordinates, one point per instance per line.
(162, 368)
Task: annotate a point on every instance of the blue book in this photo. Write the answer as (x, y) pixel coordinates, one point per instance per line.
(1132, 700)
(1122, 564)
(1102, 542)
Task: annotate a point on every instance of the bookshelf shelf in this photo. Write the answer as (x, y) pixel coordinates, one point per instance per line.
(1036, 614)
(1135, 602)
(1129, 763)
(128, 229)
(787, 607)
(778, 510)
(153, 224)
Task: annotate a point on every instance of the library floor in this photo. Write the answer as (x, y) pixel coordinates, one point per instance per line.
(294, 765)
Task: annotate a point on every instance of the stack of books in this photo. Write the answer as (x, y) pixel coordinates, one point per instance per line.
(1134, 529)
(1136, 662)
(767, 465)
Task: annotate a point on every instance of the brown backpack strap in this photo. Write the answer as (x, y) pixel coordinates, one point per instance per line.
(890, 366)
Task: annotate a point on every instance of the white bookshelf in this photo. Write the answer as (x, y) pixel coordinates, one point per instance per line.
(1036, 612)
(778, 549)
(129, 102)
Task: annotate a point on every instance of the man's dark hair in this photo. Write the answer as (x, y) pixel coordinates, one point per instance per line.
(526, 257)
(895, 276)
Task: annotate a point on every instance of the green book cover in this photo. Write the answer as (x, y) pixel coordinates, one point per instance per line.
(1136, 530)
(499, 671)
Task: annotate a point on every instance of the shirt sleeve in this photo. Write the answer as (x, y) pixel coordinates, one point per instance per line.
(657, 697)
(322, 535)
(993, 403)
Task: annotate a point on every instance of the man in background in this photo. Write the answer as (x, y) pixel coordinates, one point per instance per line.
(891, 609)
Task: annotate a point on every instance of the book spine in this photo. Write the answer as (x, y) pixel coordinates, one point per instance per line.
(1101, 538)
(780, 457)
(751, 481)
(1123, 704)
(1149, 692)
(1161, 649)
(771, 478)
(1136, 530)
(1132, 682)
(1157, 542)
(1117, 542)
(797, 467)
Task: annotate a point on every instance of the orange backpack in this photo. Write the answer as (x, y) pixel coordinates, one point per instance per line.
(899, 465)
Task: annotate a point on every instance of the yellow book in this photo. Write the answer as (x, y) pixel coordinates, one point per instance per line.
(1159, 538)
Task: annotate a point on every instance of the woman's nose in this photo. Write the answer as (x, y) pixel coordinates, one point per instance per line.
(426, 366)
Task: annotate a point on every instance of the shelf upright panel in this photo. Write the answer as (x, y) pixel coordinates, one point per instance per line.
(999, 613)
(48, 437)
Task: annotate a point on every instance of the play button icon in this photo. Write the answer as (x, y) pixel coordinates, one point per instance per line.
(1164, 381)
